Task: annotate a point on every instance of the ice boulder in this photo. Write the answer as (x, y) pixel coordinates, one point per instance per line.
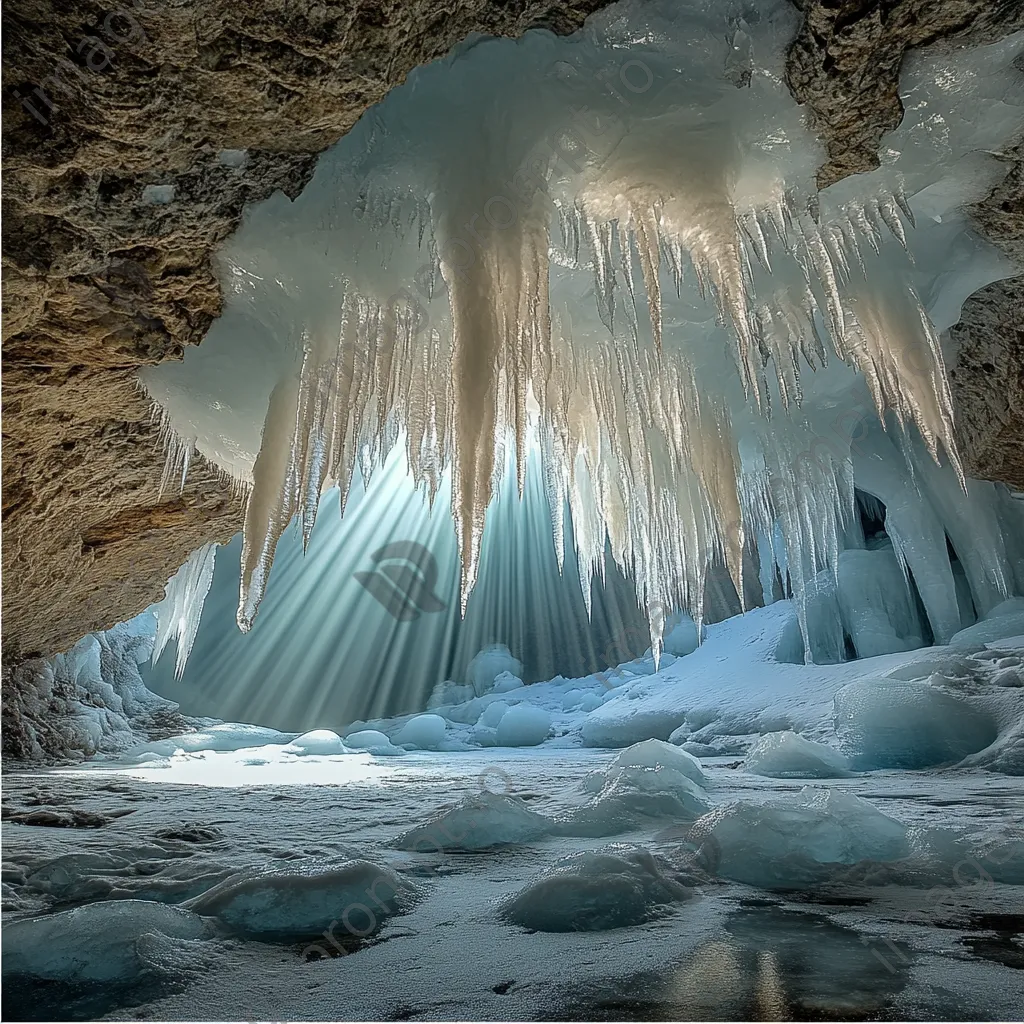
(99, 942)
(523, 725)
(491, 715)
(425, 732)
(630, 797)
(659, 754)
(319, 741)
(304, 900)
(623, 721)
(372, 741)
(892, 723)
(788, 755)
(595, 891)
(796, 842)
(489, 663)
(478, 822)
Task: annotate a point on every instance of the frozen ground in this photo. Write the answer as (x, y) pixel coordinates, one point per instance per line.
(848, 843)
(946, 947)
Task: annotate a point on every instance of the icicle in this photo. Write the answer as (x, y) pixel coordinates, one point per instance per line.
(178, 614)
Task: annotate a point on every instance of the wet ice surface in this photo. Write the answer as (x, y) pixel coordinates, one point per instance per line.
(862, 948)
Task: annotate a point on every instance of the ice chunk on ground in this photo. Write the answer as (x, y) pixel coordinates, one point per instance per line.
(426, 732)
(373, 742)
(595, 891)
(489, 663)
(890, 723)
(523, 725)
(658, 754)
(98, 942)
(304, 901)
(797, 842)
(319, 741)
(630, 797)
(787, 755)
(477, 823)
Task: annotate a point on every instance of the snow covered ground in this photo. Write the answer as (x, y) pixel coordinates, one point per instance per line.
(766, 840)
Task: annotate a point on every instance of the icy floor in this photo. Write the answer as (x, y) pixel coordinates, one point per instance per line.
(855, 951)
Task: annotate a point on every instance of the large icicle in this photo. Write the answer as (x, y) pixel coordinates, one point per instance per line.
(178, 614)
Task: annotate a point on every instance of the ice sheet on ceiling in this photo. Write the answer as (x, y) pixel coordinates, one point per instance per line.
(622, 261)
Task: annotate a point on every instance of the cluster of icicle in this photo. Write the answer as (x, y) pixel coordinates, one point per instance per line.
(179, 613)
(558, 328)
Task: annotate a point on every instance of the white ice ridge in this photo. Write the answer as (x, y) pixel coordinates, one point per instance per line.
(178, 614)
(611, 246)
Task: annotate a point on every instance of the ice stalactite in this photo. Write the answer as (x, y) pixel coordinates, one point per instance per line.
(178, 614)
(611, 247)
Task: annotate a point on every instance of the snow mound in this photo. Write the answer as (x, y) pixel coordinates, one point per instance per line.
(425, 732)
(100, 942)
(523, 725)
(595, 891)
(658, 754)
(630, 797)
(319, 741)
(490, 663)
(373, 742)
(792, 843)
(478, 822)
(304, 901)
(890, 723)
(787, 755)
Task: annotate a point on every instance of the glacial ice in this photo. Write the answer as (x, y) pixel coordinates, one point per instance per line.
(791, 843)
(890, 723)
(523, 725)
(306, 900)
(633, 310)
(787, 755)
(595, 891)
(98, 942)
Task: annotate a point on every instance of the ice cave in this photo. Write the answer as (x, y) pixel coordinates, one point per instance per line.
(539, 481)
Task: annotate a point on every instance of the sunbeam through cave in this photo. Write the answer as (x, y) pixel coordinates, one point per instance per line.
(561, 498)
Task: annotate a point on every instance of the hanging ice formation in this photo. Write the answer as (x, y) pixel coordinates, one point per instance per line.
(611, 246)
(178, 614)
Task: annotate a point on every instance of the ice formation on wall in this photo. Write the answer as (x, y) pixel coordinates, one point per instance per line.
(611, 247)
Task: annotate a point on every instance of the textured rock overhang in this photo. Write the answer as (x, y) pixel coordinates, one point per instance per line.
(99, 282)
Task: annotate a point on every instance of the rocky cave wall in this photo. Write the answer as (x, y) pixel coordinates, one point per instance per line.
(101, 276)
